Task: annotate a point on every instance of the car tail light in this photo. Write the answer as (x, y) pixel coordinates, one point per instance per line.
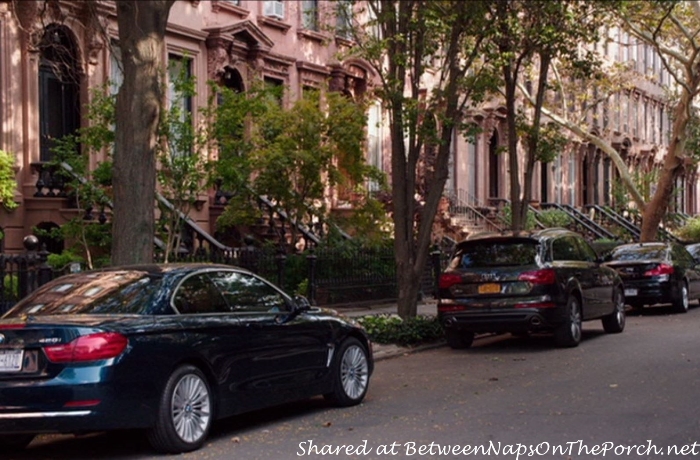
(12, 326)
(93, 347)
(660, 270)
(544, 276)
(447, 280)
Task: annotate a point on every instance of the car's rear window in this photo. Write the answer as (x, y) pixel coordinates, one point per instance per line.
(109, 292)
(638, 253)
(495, 254)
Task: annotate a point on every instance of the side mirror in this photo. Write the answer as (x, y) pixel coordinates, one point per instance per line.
(301, 303)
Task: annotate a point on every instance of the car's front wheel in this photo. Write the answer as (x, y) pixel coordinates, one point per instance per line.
(680, 302)
(458, 340)
(615, 321)
(14, 442)
(569, 333)
(185, 412)
(350, 374)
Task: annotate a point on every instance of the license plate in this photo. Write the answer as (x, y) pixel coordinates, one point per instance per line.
(630, 292)
(11, 360)
(489, 288)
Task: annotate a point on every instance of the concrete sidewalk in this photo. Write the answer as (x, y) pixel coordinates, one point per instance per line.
(380, 351)
(425, 307)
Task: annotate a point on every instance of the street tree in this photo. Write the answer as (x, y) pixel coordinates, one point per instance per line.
(671, 28)
(528, 38)
(428, 56)
(139, 110)
(290, 155)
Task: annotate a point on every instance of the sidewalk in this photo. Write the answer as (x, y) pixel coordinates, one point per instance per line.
(381, 351)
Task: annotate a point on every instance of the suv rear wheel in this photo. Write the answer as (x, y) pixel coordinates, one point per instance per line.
(569, 333)
(615, 322)
(459, 339)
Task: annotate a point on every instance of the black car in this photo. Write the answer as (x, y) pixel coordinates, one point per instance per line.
(550, 280)
(694, 250)
(656, 273)
(170, 349)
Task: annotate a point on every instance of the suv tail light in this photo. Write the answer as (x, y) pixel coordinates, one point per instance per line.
(93, 347)
(660, 270)
(447, 280)
(544, 276)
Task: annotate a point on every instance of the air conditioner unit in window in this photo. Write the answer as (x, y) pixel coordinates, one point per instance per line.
(274, 9)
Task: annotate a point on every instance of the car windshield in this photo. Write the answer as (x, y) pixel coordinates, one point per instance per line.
(635, 253)
(495, 254)
(109, 292)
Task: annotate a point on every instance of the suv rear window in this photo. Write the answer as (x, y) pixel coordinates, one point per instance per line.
(491, 253)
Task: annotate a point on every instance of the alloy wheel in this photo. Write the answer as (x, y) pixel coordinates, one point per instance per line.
(354, 372)
(191, 408)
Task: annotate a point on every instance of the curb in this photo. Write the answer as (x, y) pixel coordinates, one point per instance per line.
(388, 351)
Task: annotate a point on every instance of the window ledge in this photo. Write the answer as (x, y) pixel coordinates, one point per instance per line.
(274, 23)
(342, 41)
(230, 7)
(312, 35)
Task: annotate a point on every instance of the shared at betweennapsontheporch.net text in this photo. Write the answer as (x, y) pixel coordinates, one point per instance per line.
(310, 448)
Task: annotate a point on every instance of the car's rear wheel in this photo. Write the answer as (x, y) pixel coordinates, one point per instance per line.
(350, 374)
(458, 340)
(569, 333)
(615, 322)
(14, 442)
(680, 302)
(185, 412)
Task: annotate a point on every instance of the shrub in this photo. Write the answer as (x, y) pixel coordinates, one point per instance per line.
(391, 329)
(554, 218)
(690, 232)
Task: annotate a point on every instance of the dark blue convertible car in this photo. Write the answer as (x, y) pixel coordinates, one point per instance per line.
(170, 349)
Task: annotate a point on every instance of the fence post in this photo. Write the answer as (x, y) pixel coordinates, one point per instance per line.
(311, 290)
(26, 273)
(45, 271)
(435, 258)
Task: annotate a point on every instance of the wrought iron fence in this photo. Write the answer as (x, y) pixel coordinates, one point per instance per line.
(328, 277)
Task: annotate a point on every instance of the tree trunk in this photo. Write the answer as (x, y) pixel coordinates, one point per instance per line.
(139, 104)
(673, 166)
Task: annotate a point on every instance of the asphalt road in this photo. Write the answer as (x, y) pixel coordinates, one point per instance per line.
(632, 395)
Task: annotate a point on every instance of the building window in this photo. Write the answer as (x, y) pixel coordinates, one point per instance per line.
(59, 89)
(276, 89)
(274, 8)
(309, 14)
(344, 19)
(179, 102)
(116, 71)
(374, 141)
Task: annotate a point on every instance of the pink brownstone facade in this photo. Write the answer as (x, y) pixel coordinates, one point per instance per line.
(297, 44)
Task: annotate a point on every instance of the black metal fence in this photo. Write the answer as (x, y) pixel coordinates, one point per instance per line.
(328, 277)
(21, 274)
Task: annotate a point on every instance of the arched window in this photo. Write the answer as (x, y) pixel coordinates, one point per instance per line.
(59, 88)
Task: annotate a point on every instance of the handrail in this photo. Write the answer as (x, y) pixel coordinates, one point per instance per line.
(193, 225)
(307, 234)
(582, 219)
(472, 210)
(157, 241)
(617, 219)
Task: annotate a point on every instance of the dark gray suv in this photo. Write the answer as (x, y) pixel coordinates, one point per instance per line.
(546, 281)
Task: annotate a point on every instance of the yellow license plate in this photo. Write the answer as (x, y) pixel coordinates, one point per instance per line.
(489, 288)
